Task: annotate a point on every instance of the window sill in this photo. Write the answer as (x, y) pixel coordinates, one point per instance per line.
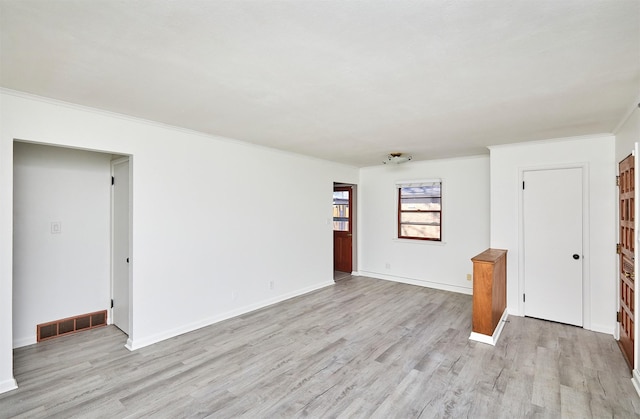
(422, 242)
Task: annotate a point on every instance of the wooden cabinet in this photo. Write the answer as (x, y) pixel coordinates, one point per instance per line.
(489, 291)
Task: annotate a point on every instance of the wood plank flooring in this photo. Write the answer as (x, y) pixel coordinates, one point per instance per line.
(339, 276)
(361, 348)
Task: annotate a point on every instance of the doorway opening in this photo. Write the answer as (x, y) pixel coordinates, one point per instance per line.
(344, 230)
(62, 235)
(120, 244)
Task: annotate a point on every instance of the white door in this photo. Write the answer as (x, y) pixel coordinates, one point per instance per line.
(120, 240)
(552, 210)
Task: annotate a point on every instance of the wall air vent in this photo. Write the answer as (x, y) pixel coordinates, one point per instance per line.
(71, 325)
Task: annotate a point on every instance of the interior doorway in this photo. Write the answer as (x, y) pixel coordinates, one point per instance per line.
(344, 228)
(120, 238)
(62, 235)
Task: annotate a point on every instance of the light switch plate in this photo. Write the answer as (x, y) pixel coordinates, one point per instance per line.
(56, 227)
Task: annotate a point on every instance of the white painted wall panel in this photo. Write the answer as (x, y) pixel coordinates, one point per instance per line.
(628, 135)
(465, 228)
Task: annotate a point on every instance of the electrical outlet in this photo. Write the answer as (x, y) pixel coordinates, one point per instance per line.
(234, 295)
(469, 277)
(387, 265)
(272, 285)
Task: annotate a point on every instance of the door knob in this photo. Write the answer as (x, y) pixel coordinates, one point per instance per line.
(576, 256)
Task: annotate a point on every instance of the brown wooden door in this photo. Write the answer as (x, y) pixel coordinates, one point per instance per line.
(627, 281)
(342, 229)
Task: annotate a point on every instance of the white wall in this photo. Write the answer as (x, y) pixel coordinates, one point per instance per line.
(465, 223)
(600, 258)
(65, 274)
(628, 134)
(214, 220)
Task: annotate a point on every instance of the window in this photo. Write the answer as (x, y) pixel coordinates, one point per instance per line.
(341, 209)
(420, 210)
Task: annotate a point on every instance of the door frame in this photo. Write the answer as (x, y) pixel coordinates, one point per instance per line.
(121, 160)
(619, 269)
(353, 212)
(636, 262)
(586, 280)
(616, 334)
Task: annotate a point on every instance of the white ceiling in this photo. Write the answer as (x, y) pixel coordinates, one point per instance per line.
(348, 81)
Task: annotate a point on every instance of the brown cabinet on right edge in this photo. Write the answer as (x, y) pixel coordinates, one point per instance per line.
(489, 290)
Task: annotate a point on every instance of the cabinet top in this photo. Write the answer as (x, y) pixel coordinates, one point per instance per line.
(489, 255)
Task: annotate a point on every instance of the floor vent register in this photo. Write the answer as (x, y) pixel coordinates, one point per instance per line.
(70, 325)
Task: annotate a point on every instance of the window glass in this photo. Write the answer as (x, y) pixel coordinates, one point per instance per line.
(341, 210)
(420, 211)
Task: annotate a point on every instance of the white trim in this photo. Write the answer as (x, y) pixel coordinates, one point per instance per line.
(120, 160)
(586, 248)
(493, 339)
(419, 182)
(419, 282)
(129, 160)
(26, 341)
(512, 313)
(586, 278)
(479, 337)
(627, 115)
(134, 344)
(129, 344)
(8, 385)
(83, 108)
(417, 161)
(635, 380)
(636, 254)
(603, 328)
(551, 140)
(616, 328)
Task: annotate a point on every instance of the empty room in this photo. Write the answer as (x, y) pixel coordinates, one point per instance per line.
(281, 208)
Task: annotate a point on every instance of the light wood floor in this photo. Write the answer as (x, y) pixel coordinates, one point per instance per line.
(360, 348)
(339, 275)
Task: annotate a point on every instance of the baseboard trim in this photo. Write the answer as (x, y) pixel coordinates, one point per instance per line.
(134, 344)
(493, 339)
(8, 385)
(20, 342)
(419, 282)
(635, 379)
(129, 344)
(608, 329)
